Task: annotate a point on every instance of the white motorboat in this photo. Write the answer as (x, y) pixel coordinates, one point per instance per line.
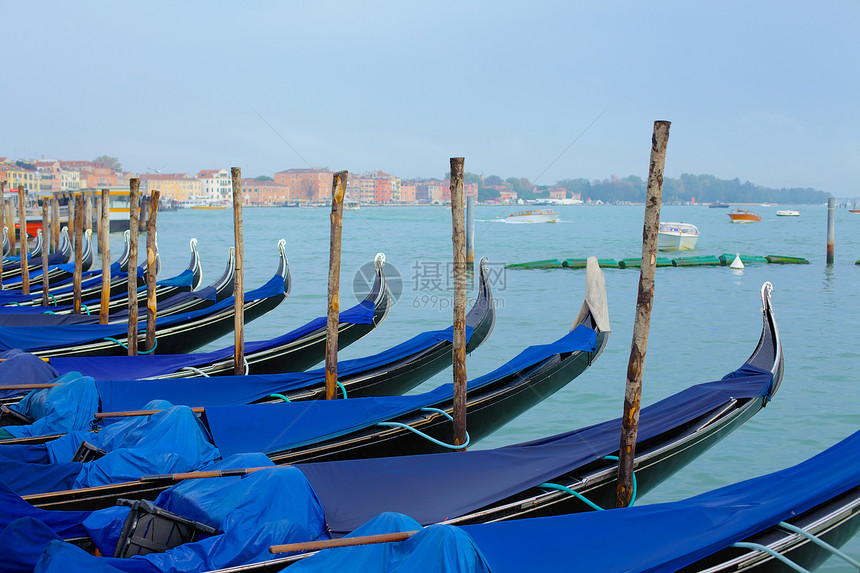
(677, 237)
(787, 213)
(533, 216)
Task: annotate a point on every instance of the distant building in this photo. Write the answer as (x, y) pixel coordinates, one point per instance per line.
(216, 184)
(92, 175)
(175, 186)
(407, 193)
(307, 185)
(264, 193)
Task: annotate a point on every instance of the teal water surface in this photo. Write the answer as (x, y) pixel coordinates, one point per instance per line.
(705, 321)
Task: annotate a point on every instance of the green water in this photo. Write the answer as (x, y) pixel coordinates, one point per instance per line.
(705, 322)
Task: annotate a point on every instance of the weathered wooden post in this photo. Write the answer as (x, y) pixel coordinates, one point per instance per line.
(470, 233)
(55, 224)
(459, 338)
(10, 230)
(70, 224)
(2, 224)
(641, 322)
(104, 242)
(79, 252)
(45, 252)
(151, 305)
(133, 213)
(88, 211)
(239, 281)
(25, 255)
(831, 229)
(338, 189)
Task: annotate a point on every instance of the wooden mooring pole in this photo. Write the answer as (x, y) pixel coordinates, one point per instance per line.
(831, 229)
(55, 224)
(104, 242)
(338, 189)
(10, 229)
(470, 233)
(459, 338)
(79, 253)
(25, 255)
(239, 282)
(151, 305)
(642, 320)
(2, 225)
(46, 250)
(134, 230)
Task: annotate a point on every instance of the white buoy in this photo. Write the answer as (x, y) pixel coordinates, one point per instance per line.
(737, 264)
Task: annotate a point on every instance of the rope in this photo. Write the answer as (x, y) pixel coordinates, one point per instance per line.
(758, 547)
(193, 369)
(53, 299)
(820, 542)
(86, 308)
(281, 396)
(576, 494)
(582, 498)
(342, 389)
(151, 350)
(425, 436)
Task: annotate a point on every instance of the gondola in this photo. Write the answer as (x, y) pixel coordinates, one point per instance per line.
(294, 351)
(174, 334)
(793, 519)
(173, 295)
(12, 263)
(358, 427)
(70, 406)
(58, 273)
(311, 501)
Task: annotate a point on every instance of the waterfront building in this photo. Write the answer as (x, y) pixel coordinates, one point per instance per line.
(173, 186)
(307, 185)
(264, 193)
(216, 184)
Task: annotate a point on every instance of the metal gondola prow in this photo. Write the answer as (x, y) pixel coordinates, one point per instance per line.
(284, 266)
(768, 354)
(482, 316)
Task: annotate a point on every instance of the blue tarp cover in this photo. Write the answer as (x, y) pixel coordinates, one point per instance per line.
(39, 338)
(169, 441)
(22, 368)
(272, 427)
(119, 395)
(65, 408)
(251, 513)
(109, 367)
(353, 491)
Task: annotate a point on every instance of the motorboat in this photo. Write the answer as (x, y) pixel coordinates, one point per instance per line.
(718, 205)
(787, 213)
(677, 237)
(744, 216)
(533, 216)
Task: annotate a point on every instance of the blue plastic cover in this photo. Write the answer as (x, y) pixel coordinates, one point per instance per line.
(252, 513)
(65, 408)
(434, 549)
(273, 427)
(669, 536)
(63, 523)
(182, 280)
(39, 338)
(169, 441)
(353, 491)
(108, 367)
(21, 368)
(118, 395)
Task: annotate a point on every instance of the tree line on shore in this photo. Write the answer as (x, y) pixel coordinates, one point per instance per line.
(704, 188)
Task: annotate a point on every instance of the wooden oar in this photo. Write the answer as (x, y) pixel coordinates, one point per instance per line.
(130, 413)
(28, 386)
(342, 542)
(204, 474)
(40, 357)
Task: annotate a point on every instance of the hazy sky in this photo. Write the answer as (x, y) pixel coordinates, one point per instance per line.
(764, 91)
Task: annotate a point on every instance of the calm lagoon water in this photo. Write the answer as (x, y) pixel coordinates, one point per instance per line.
(705, 321)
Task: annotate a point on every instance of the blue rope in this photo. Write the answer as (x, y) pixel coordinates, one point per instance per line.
(53, 299)
(635, 485)
(576, 494)
(820, 542)
(425, 436)
(342, 389)
(758, 547)
(48, 312)
(86, 308)
(281, 396)
(154, 346)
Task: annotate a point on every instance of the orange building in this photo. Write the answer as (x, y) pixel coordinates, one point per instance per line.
(266, 193)
(306, 185)
(92, 175)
